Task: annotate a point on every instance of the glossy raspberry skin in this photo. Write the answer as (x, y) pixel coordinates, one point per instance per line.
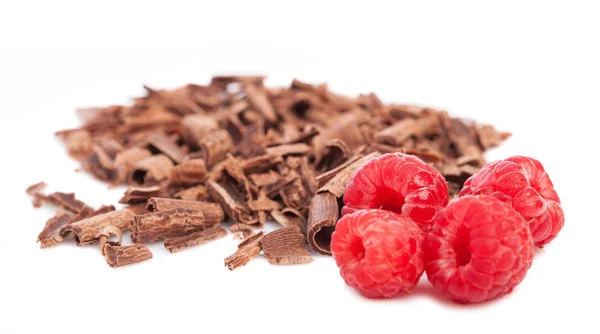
(399, 183)
(379, 253)
(478, 249)
(523, 183)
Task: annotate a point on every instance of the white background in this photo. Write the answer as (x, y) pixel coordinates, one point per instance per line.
(531, 68)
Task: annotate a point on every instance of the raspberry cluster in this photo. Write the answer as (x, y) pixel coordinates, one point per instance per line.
(397, 223)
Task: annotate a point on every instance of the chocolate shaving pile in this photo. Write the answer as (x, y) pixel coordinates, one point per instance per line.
(236, 148)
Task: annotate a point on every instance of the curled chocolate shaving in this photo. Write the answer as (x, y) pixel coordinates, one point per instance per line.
(195, 193)
(247, 251)
(157, 226)
(197, 126)
(126, 160)
(86, 231)
(106, 233)
(195, 239)
(290, 217)
(323, 215)
(212, 212)
(151, 170)
(337, 184)
(118, 256)
(50, 235)
(236, 209)
(190, 173)
(66, 201)
(36, 191)
(215, 147)
(285, 246)
(162, 144)
(135, 195)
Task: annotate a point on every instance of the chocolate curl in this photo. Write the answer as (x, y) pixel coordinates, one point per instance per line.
(136, 195)
(126, 160)
(50, 235)
(87, 231)
(195, 239)
(290, 217)
(236, 209)
(196, 193)
(212, 212)
(151, 170)
(189, 173)
(285, 246)
(156, 226)
(196, 127)
(215, 146)
(259, 101)
(163, 144)
(118, 256)
(247, 251)
(322, 218)
(106, 233)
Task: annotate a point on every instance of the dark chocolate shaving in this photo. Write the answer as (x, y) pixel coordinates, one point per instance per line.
(322, 218)
(157, 226)
(247, 251)
(285, 246)
(136, 195)
(118, 256)
(195, 239)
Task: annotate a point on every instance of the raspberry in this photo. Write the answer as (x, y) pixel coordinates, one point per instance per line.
(399, 183)
(379, 253)
(523, 183)
(478, 249)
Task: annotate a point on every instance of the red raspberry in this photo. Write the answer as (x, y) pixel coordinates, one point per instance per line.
(523, 183)
(478, 249)
(400, 183)
(379, 252)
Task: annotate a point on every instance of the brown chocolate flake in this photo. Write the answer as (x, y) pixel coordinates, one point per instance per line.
(285, 246)
(290, 217)
(265, 179)
(190, 173)
(135, 195)
(151, 170)
(157, 226)
(289, 149)
(235, 208)
(263, 203)
(108, 232)
(212, 212)
(86, 231)
(247, 251)
(36, 191)
(196, 127)
(118, 256)
(215, 147)
(195, 193)
(195, 239)
(337, 184)
(66, 201)
(50, 235)
(126, 160)
(322, 218)
(163, 144)
(259, 101)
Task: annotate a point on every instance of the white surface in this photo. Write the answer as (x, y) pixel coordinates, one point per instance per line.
(530, 68)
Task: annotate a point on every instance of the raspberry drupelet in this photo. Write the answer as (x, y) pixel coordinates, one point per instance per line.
(523, 183)
(478, 249)
(379, 253)
(399, 183)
